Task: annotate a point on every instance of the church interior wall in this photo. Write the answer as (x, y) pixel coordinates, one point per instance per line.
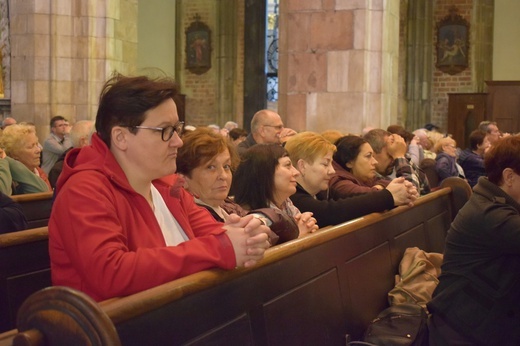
(61, 52)
(506, 52)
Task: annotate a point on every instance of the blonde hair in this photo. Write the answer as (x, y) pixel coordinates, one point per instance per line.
(442, 142)
(433, 137)
(307, 146)
(332, 135)
(13, 137)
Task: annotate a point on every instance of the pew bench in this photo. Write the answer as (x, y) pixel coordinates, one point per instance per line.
(36, 207)
(313, 290)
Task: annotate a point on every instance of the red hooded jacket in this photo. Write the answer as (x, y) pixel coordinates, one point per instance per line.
(104, 238)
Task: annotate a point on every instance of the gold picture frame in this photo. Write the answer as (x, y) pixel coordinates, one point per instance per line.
(452, 43)
(198, 47)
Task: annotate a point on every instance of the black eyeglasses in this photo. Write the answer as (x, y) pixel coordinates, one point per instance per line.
(166, 132)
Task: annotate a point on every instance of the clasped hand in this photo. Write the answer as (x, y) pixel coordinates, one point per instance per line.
(403, 191)
(306, 223)
(249, 238)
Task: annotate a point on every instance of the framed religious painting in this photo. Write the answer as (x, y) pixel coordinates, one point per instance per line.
(198, 47)
(452, 43)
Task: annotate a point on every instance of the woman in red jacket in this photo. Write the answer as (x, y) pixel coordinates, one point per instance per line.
(120, 223)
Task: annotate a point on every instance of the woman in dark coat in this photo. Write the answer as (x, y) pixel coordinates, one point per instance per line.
(477, 301)
(312, 154)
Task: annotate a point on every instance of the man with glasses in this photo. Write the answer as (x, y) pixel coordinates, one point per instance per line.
(266, 128)
(56, 144)
(121, 221)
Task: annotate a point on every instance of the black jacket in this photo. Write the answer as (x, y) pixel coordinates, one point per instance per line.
(11, 215)
(333, 212)
(479, 289)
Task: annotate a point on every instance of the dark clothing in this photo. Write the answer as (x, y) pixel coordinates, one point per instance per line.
(478, 295)
(473, 166)
(11, 215)
(446, 166)
(344, 184)
(246, 144)
(333, 212)
(55, 171)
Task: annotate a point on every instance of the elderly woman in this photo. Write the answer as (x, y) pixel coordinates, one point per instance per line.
(446, 160)
(477, 299)
(311, 154)
(20, 161)
(267, 178)
(355, 168)
(206, 160)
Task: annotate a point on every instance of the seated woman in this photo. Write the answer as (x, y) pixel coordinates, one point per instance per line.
(120, 224)
(472, 159)
(206, 160)
(446, 160)
(477, 299)
(266, 178)
(355, 168)
(21, 161)
(311, 154)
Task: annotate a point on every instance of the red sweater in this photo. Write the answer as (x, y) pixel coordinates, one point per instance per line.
(104, 238)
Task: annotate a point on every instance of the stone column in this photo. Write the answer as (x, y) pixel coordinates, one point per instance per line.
(338, 64)
(62, 52)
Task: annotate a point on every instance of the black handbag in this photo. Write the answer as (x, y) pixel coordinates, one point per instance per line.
(399, 325)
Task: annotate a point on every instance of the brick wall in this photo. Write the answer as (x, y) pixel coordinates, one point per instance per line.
(200, 89)
(444, 83)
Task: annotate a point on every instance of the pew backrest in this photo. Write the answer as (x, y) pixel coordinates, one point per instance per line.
(312, 290)
(24, 269)
(36, 207)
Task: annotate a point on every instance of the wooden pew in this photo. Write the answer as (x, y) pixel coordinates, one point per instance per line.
(36, 207)
(312, 290)
(24, 269)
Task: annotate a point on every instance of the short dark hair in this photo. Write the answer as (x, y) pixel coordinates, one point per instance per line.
(503, 154)
(401, 131)
(125, 100)
(476, 138)
(56, 118)
(200, 146)
(236, 133)
(376, 139)
(349, 148)
(253, 181)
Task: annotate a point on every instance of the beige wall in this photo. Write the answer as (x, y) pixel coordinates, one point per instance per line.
(338, 64)
(63, 51)
(506, 51)
(156, 36)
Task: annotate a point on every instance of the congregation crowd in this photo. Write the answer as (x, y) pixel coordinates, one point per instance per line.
(140, 199)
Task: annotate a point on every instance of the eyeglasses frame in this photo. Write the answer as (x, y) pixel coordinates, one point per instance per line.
(178, 127)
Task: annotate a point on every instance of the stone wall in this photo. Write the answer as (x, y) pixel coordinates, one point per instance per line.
(338, 64)
(62, 52)
(215, 96)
